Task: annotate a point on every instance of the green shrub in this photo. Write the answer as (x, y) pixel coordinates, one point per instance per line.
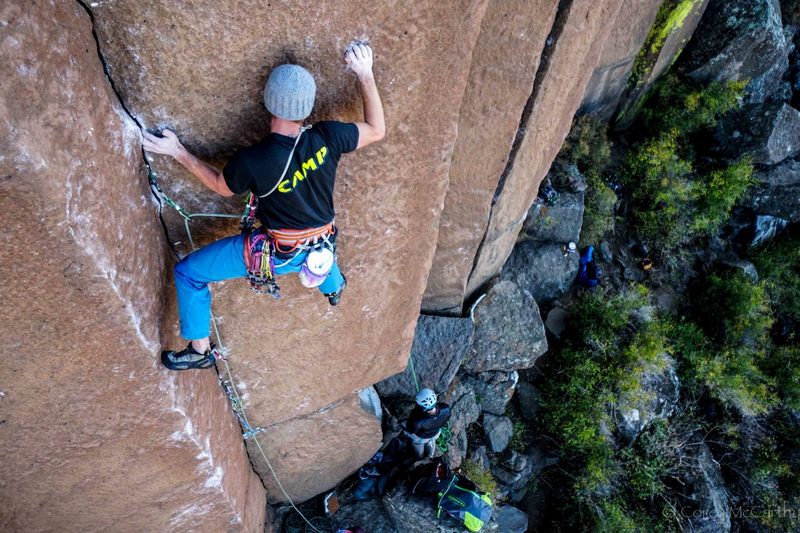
(672, 202)
(481, 477)
(778, 264)
(587, 145)
(676, 104)
(598, 214)
(733, 310)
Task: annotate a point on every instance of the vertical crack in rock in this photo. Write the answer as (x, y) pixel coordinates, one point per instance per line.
(562, 14)
(177, 407)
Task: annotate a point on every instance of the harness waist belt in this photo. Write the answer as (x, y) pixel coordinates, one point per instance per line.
(295, 237)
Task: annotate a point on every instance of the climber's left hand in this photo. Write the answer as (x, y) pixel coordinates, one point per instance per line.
(168, 144)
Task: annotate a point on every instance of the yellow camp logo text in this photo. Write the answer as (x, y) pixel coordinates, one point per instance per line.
(313, 163)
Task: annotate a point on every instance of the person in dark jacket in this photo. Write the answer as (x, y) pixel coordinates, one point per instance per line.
(425, 423)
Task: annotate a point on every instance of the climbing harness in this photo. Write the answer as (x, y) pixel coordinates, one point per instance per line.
(228, 385)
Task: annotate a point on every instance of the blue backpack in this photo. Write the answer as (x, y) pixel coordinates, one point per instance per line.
(588, 271)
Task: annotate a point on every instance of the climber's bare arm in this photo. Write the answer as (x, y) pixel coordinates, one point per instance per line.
(359, 59)
(171, 146)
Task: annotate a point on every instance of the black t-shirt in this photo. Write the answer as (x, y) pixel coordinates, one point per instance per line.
(425, 426)
(304, 197)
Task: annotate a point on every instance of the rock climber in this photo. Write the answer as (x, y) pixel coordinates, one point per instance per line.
(292, 172)
(425, 422)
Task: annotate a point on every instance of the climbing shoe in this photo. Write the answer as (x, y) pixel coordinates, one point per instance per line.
(335, 297)
(188, 358)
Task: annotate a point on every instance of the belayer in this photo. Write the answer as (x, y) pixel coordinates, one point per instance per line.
(425, 423)
(292, 173)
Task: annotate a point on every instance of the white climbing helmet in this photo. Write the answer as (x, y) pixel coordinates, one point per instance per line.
(426, 399)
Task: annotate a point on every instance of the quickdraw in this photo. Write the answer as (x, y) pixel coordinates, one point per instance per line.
(260, 263)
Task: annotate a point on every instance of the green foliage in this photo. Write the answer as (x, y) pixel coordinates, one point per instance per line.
(733, 310)
(715, 194)
(778, 264)
(598, 214)
(587, 145)
(676, 105)
(518, 440)
(672, 201)
(648, 462)
(481, 477)
(727, 353)
(588, 148)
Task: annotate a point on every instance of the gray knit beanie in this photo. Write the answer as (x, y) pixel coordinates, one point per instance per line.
(289, 92)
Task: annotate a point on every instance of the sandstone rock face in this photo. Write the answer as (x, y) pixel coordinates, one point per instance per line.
(675, 25)
(741, 40)
(440, 344)
(610, 76)
(504, 63)
(577, 42)
(95, 435)
(509, 333)
(315, 452)
(297, 356)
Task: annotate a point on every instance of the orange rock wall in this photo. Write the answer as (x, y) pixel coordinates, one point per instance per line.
(501, 78)
(580, 33)
(201, 71)
(94, 435)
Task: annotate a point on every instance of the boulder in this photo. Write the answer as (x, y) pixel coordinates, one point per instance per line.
(710, 510)
(777, 191)
(509, 333)
(765, 228)
(440, 344)
(556, 321)
(493, 390)
(465, 411)
(510, 519)
(769, 133)
(480, 458)
(574, 48)
(558, 222)
(528, 397)
(656, 398)
(370, 515)
(514, 470)
(745, 267)
(606, 255)
(498, 429)
(95, 434)
(740, 40)
(312, 454)
(509, 48)
(566, 177)
(417, 514)
(543, 269)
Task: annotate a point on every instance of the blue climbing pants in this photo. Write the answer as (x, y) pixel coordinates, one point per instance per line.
(219, 261)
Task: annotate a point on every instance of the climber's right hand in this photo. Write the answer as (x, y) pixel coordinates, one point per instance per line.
(167, 144)
(359, 58)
